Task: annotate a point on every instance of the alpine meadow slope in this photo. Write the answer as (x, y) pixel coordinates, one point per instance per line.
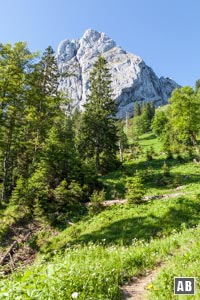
(61, 236)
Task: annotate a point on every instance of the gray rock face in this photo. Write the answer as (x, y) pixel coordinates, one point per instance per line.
(132, 79)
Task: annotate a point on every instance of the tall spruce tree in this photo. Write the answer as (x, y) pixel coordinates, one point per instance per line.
(47, 153)
(197, 85)
(137, 109)
(142, 121)
(14, 66)
(122, 139)
(98, 131)
(43, 105)
(135, 189)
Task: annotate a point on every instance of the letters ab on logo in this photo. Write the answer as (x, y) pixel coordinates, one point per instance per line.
(184, 285)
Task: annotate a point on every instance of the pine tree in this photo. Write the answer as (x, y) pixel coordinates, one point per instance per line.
(135, 189)
(143, 117)
(98, 133)
(45, 75)
(152, 110)
(166, 170)
(159, 121)
(146, 116)
(37, 148)
(41, 111)
(197, 85)
(67, 196)
(59, 154)
(96, 202)
(15, 64)
(137, 109)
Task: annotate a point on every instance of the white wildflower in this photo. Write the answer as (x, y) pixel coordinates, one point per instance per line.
(74, 295)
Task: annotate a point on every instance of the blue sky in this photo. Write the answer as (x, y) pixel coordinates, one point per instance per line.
(165, 33)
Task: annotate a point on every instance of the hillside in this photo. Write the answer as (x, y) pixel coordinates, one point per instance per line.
(88, 201)
(95, 256)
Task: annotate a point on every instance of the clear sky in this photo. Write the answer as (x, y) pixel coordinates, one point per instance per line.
(165, 33)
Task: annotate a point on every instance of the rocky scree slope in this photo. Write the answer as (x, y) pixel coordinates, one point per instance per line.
(132, 79)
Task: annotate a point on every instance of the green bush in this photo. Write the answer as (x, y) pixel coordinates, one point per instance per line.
(166, 170)
(135, 189)
(67, 196)
(150, 153)
(33, 192)
(96, 202)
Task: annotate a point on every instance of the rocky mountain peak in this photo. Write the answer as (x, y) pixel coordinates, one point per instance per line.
(132, 79)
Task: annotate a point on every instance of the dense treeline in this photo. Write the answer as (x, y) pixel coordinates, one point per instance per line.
(49, 160)
(178, 124)
(143, 116)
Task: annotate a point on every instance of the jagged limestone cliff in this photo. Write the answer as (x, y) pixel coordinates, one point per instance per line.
(132, 79)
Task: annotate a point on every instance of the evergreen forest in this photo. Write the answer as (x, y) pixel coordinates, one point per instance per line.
(88, 201)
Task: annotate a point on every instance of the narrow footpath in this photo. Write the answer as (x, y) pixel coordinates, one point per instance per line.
(137, 288)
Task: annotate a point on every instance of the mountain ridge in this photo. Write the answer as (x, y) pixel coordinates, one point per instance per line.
(132, 79)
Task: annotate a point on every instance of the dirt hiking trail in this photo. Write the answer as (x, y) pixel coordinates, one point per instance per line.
(137, 288)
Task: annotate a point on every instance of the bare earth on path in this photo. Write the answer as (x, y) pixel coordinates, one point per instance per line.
(137, 288)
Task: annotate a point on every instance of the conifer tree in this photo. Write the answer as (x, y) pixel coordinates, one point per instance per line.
(98, 132)
(59, 154)
(143, 117)
(37, 149)
(197, 85)
(42, 107)
(14, 66)
(137, 109)
(135, 189)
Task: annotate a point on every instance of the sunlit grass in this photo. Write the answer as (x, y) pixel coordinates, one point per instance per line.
(93, 271)
(121, 224)
(185, 263)
(182, 172)
(92, 258)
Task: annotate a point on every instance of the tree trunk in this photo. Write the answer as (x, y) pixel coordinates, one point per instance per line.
(127, 121)
(121, 151)
(97, 159)
(195, 143)
(7, 252)
(6, 166)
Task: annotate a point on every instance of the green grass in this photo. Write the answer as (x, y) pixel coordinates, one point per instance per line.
(97, 254)
(100, 253)
(182, 172)
(122, 224)
(148, 140)
(94, 271)
(186, 264)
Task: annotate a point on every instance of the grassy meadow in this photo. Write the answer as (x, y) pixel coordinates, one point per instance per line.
(95, 257)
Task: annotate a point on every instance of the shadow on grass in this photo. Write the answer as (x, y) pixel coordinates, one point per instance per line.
(186, 213)
(156, 164)
(148, 137)
(115, 183)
